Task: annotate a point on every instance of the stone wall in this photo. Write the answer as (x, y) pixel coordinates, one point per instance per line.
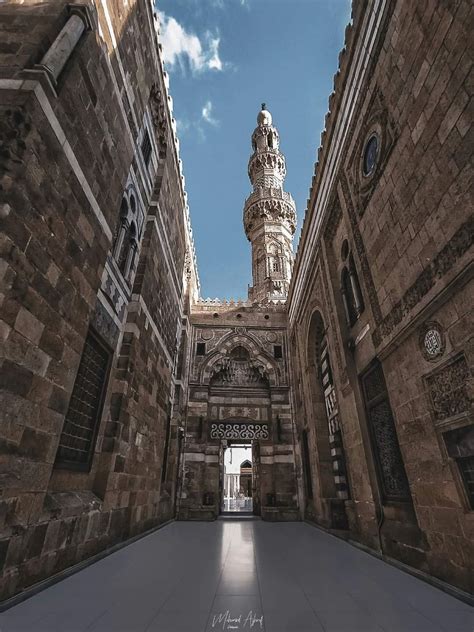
(75, 172)
(385, 258)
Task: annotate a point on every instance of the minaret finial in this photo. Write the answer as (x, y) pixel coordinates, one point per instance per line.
(264, 106)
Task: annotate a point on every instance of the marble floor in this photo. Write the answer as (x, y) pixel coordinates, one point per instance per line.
(240, 575)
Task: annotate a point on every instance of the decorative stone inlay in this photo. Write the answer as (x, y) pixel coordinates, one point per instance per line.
(207, 334)
(448, 389)
(460, 243)
(239, 373)
(226, 430)
(371, 153)
(239, 411)
(432, 341)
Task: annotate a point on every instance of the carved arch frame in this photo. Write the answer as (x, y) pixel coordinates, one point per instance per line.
(256, 353)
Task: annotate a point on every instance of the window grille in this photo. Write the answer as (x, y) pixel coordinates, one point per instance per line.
(460, 446)
(388, 457)
(78, 437)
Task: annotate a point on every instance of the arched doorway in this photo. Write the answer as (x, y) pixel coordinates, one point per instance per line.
(324, 436)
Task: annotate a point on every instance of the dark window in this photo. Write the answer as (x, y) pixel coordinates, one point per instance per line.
(278, 352)
(390, 466)
(460, 447)
(239, 353)
(78, 437)
(146, 147)
(307, 465)
(370, 155)
(127, 251)
(348, 297)
(344, 250)
(201, 348)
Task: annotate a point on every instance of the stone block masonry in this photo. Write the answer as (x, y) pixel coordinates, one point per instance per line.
(383, 278)
(348, 369)
(83, 450)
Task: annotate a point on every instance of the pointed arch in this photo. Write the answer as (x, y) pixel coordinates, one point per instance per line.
(251, 345)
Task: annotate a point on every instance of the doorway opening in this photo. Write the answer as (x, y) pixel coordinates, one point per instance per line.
(238, 482)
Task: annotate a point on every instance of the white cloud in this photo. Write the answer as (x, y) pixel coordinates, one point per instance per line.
(180, 45)
(207, 114)
(214, 59)
(182, 125)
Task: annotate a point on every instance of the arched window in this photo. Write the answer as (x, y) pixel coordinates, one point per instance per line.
(126, 240)
(270, 140)
(351, 292)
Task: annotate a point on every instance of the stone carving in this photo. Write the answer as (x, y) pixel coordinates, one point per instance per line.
(238, 373)
(207, 334)
(104, 325)
(333, 220)
(378, 122)
(448, 389)
(432, 341)
(158, 116)
(460, 243)
(225, 430)
(269, 204)
(239, 411)
(187, 265)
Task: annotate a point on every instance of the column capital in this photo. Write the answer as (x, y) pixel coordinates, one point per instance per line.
(84, 12)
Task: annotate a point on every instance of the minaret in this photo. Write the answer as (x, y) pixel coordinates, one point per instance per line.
(269, 215)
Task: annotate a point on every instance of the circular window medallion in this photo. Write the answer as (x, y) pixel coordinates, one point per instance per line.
(271, 336)
(432, 341)
(370, 155)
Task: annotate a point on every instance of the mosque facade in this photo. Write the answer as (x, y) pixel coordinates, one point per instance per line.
(347, 371)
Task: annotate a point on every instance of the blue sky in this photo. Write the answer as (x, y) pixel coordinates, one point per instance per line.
(224, 58)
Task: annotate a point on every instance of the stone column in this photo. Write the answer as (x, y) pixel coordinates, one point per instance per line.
(346, 306)
(60, 50)
(355, 292)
